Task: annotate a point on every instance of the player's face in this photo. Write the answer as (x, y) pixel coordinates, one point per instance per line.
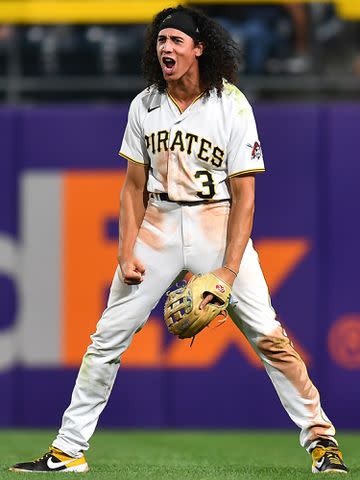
(177, 53)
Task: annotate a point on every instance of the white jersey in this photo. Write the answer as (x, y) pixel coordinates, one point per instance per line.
(191, 154)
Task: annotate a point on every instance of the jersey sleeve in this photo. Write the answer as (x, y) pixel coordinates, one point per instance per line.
(133, 146)
(244, 148)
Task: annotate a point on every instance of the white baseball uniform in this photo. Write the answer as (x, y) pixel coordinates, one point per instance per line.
(191, 156)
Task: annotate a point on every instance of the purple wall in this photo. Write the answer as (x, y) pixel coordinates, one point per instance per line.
(309, 192)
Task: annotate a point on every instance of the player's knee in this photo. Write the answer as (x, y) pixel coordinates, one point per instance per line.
(277, 347)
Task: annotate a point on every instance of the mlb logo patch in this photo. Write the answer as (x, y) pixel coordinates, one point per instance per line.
(220, 288)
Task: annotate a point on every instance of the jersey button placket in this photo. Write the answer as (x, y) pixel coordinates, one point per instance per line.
(171, 173)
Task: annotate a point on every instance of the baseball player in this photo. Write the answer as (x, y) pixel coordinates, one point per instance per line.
(187, 205)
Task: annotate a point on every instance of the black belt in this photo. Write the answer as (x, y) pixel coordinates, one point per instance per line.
(165, 197)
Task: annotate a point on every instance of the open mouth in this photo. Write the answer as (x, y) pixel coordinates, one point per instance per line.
(168, 65)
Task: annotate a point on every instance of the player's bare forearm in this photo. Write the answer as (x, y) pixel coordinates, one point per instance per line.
(240, 220)
(132, 211)
(240, 223)
(239, 229)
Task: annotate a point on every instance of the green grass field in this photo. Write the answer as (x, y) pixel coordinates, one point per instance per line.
(177, 455)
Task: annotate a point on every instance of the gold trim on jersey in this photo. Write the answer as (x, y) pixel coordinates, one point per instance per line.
(131, 159)
(178, 106)
(245, 172)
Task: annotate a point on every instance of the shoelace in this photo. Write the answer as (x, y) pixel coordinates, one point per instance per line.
(334, 455)
(43, 457)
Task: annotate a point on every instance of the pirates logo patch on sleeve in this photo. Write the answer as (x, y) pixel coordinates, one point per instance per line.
(256, 151)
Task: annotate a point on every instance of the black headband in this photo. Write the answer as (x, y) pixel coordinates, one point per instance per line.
(181, 21)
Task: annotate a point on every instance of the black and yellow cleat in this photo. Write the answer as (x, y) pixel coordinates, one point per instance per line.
(327, 458)
(53, 461)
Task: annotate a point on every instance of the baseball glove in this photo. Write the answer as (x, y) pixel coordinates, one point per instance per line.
(182, 314)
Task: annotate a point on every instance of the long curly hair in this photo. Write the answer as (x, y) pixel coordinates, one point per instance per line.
(220, 59)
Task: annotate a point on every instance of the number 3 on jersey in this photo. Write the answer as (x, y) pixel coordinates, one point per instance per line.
(208, 184)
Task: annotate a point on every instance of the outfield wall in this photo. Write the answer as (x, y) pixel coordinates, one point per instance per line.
(60, 178)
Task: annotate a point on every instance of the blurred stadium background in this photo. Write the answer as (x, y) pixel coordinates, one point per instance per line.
(68, 70)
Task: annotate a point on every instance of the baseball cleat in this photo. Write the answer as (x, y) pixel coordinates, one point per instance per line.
(53, 461)
(327, 458)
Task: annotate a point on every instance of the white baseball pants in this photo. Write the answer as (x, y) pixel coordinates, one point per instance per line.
(174, 238)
